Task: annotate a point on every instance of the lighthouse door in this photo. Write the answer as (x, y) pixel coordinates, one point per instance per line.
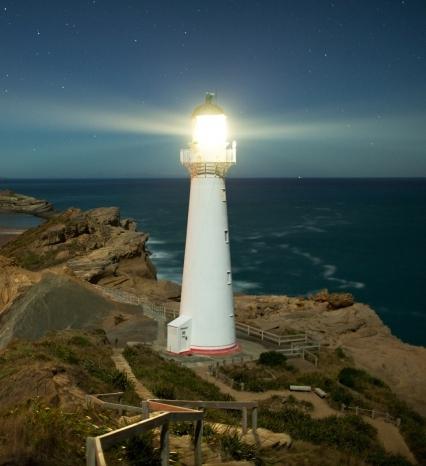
(179, 334)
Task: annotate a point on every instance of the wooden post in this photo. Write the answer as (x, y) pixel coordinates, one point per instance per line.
(372, 414)
(244, 419)
(145, 407)
(254, 420)
(164, 444)
(90, 451)
(357, 410)
(198, 436)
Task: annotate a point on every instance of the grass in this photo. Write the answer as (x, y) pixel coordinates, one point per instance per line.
(43, 421)
(348, 434)
(270, 372)
(168, 380)
(344, 384)
(44, 435)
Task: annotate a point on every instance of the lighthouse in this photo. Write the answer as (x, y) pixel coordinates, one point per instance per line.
(206, 323)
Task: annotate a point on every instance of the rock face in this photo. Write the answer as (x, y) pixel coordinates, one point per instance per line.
(13, 282)
(18, 203)
(55, 302)
(92, 245)
(355, 328)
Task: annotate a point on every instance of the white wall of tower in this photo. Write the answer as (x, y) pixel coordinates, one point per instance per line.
(207, 295)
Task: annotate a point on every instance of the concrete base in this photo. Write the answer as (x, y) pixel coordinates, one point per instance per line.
(209, 352)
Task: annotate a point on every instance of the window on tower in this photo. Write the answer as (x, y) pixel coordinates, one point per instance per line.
(224, 194)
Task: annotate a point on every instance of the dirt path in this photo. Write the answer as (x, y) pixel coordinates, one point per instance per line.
(122, 365)
(391, 439)
(387, 433)
(321, 407)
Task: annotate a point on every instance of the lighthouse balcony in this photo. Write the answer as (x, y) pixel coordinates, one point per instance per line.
(215, 162)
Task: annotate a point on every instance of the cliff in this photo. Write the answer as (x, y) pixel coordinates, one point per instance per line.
(355, 328)
(92, 245)
(19, 203)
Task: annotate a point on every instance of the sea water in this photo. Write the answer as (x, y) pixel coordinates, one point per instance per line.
(288, 236)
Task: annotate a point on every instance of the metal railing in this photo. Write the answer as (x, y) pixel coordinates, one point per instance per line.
(298, 344)
(373, 413)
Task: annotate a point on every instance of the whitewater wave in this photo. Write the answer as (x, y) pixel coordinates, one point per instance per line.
(155, 241)
(328, 274)
(162, 255)
(240, 285)
(315, 260)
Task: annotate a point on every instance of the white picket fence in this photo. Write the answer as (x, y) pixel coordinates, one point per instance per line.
(291, 345)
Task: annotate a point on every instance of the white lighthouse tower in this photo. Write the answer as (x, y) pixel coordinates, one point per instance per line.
(206, 321)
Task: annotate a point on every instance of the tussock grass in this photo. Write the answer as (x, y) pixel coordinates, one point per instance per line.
(168, 380)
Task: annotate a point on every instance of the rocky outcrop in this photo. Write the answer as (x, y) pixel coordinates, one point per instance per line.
(13, 282)
(92, 245)
(334, 300)
(18, 203)
(355, 328)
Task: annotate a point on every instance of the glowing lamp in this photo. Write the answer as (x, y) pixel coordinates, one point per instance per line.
(210, 131)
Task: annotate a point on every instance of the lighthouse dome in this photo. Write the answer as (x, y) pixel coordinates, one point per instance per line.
(208, 107)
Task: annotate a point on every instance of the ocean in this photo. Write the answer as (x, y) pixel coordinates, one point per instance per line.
(288, 236)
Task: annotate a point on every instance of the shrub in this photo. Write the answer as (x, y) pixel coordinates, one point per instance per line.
(348, 433)
(231, 445)
(358, 379)
(37, 434)
(340, 353)
(379, 457)
(164, 390)
(61, 351)
(79, 340)
(272, 359)
(140, 451)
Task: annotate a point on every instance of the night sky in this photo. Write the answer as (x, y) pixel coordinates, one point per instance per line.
(312, 88)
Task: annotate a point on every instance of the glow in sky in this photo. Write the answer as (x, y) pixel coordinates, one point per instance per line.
(310, 88)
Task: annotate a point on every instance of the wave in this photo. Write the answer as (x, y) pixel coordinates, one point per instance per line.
(329, 270)
(315, 260)
(162, 255)
(155, 241)
(240, 285)
(328, 274)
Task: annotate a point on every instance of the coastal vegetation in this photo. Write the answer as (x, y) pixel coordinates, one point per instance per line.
(169, 380)
(349, 433)
(343, 383)
(44, 418)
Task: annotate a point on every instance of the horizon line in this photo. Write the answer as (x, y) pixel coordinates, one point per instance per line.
(7, 179)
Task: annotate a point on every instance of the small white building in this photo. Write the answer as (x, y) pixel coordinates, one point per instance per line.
(206, 323)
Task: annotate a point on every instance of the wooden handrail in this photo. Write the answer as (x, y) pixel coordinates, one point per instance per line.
(174, 411)
(95, 445)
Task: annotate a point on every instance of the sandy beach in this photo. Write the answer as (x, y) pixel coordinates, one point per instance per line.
(8, 234)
